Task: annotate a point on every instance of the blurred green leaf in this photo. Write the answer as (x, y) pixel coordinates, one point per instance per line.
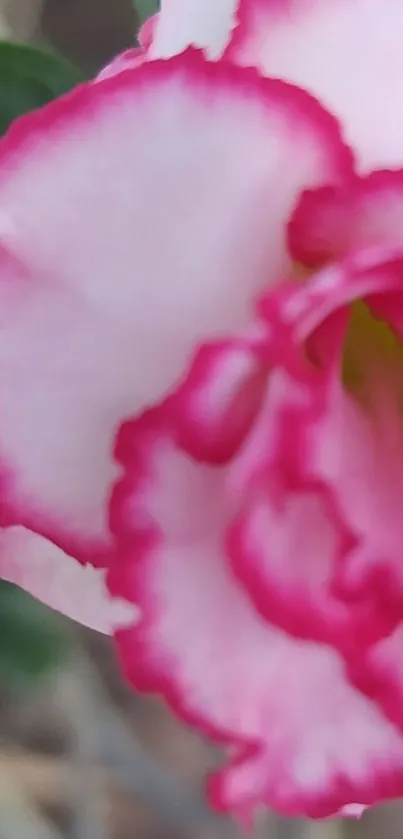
(32, 638)
(146, 8)
(29, 78)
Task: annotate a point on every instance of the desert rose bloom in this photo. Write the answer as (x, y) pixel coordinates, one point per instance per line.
(259, 531)
(148, 219)
(139, 216)
(260, 505)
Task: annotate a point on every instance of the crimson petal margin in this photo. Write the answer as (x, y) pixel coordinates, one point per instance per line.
(331, 221)
(139, 216)
(379, 674)
(220, 395)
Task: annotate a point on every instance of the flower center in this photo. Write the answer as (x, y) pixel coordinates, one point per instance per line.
(372, 360)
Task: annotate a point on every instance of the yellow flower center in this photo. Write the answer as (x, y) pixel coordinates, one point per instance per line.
(372, 363)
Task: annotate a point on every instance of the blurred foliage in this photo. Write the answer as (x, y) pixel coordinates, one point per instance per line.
(32, 638)
(29, 78)
(146, 8)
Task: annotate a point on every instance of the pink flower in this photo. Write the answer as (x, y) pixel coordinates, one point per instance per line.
(260, 507)
(190, 243)
(259, 531)
(132, 211)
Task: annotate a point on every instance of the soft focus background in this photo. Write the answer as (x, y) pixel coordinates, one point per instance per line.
(81, 757)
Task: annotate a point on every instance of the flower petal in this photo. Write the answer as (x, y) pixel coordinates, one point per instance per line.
(353, 811)
(373, 273)
(202, 23)
(59, 581)
(288, 540)
(220, 396)
(356, 439)
(302, 739)
(379, 674)
(314, 43)
(126, 60)
(330, 221)
(138, 216)
(362, 461)
(146, 32)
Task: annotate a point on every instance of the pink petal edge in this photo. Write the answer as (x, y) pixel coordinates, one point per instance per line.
(331, 221)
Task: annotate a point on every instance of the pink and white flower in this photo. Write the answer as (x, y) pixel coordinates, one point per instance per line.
(173, 166)
(265, 560)
(193, 261)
